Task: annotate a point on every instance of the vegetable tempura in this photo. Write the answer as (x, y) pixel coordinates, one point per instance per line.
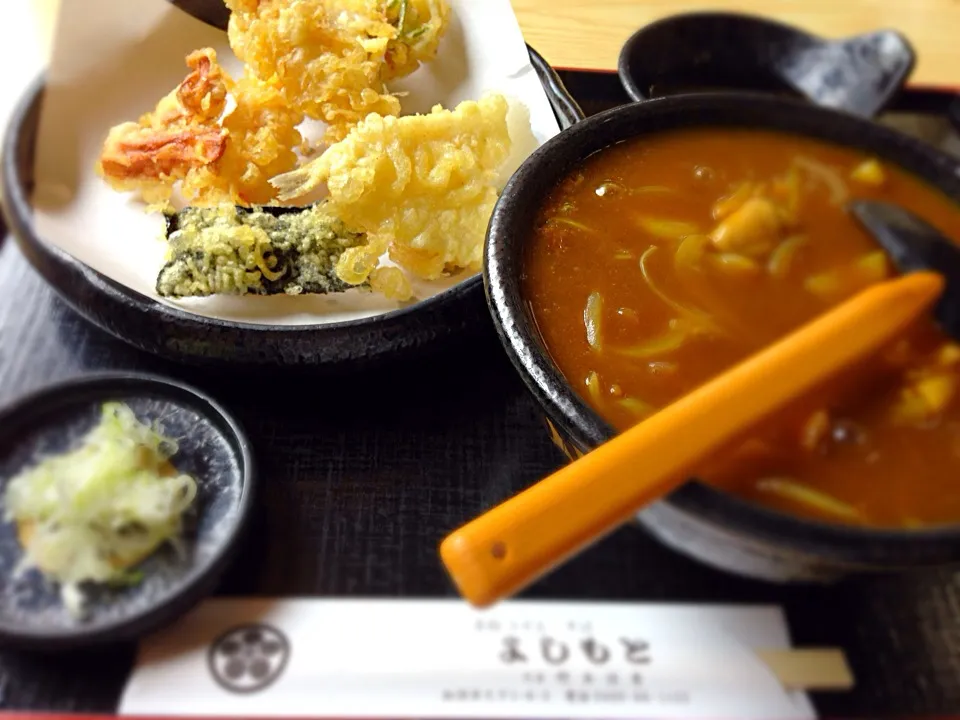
(422, 186)
(180, 135)
(187, 138)
(420, 24)
(331, 57)
(235, 251)
(261, 136)
(418, 190)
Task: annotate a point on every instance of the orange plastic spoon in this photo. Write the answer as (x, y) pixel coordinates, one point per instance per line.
(525, 537)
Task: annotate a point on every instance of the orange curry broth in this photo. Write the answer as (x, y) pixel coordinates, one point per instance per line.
(882, 447)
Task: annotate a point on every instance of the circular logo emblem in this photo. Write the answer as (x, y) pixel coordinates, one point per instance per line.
(248, 658)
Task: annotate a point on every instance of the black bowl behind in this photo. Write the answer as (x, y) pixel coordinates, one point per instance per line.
(733, 51)
(212, 449)
(710, 525)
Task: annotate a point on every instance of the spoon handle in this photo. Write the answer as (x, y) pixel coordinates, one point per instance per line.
(525, 537)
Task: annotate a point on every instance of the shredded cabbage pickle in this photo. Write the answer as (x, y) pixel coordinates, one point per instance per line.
(92, 513)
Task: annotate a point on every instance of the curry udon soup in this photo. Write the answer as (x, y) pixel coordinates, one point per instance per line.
(663, 261)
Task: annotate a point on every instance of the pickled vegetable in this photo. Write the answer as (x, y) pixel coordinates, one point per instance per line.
(92, 513)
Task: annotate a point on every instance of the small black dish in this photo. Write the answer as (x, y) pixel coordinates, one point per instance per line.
(213, 449)
(731, 51)
(698, 520)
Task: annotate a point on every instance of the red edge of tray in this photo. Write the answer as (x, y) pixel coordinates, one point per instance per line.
(18, 715)
(909, 86)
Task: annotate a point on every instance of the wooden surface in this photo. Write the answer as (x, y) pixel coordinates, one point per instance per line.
(588, 34)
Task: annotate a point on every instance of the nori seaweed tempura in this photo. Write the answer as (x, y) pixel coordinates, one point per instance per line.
(228, 250)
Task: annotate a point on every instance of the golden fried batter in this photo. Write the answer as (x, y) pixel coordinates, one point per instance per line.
(423, 186)
(180, 135)
(420, 24)
(187, 138)
(261, 134)
(132, 152)
(203, 93)
(326, 59)
(331, 57)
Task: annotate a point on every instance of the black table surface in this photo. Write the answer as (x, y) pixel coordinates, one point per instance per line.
(363, 475)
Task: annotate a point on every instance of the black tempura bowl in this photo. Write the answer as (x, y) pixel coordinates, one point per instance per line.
(700, 521)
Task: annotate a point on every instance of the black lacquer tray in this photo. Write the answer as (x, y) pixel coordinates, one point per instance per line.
(368, 471)
(366, 474)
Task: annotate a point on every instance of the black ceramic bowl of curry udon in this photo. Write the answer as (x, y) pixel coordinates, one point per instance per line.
(698, 520)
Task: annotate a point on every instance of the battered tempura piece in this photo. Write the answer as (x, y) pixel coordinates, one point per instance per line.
(423, 186)
(326, 59)
(187, 138)
(236, 251)
(180, 135)
(420, 24)
(261, 134)
(331, 57)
